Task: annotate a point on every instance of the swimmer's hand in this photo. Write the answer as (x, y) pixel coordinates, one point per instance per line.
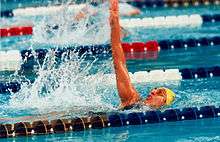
(132, 13)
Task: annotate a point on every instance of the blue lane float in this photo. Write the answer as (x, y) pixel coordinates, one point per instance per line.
(7, 13)
(200, 72)
(172, 3)
(29, 58)
(186, 73)
(107, 120)
(211, 18)
(106, 49)
(28, 11)
(189, 43)
(137, 3)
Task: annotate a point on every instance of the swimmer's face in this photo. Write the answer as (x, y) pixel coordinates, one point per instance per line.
(156, 98)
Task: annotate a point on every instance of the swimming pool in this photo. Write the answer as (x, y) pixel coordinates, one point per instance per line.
(178, 131)
(190, 93)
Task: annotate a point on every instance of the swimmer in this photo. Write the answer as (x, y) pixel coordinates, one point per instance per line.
(157, 98)
(128, 10)
(91, 10)
(124, 8)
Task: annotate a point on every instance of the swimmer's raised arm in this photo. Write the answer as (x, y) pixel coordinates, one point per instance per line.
(127, 92)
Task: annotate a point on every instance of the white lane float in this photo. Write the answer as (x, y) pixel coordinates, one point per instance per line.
(36, 11)
(194, 20)
(10, 60)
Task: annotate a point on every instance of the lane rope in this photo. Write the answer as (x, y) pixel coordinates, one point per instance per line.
(36, 11)
(164, 21)
(194, 20)
(106, 120)
(172, 3)
(40, 10)
(16, 31)
(142, 77)
(43, 10)
(11, 60)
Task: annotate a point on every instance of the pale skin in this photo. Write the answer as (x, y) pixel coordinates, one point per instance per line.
(126, 91)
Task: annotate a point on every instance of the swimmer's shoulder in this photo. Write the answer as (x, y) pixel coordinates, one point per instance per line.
(137, 106)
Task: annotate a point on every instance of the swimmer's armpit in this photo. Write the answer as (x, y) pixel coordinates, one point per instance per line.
(134, 106)
(124, 33)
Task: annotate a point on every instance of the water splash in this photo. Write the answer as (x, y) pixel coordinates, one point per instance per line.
(63, 29)
(63, 87)
(200, 139)
(67, 85)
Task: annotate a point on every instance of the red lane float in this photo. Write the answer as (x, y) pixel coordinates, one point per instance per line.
(141, 50)
(141, 46)
(149, 46)
(152, 45)
(16, 31)
(152, 55)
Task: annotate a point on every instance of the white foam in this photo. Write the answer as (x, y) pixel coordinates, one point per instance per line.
(61, 88)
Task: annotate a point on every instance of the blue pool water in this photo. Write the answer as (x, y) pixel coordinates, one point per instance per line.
(169, 132)
(136, 34)
(190, 131)
(190, 93)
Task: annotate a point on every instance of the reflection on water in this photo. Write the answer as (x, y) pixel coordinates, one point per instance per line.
(187, 131)
(69, 87)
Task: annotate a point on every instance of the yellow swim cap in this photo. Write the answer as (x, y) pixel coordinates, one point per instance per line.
(170, 96)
